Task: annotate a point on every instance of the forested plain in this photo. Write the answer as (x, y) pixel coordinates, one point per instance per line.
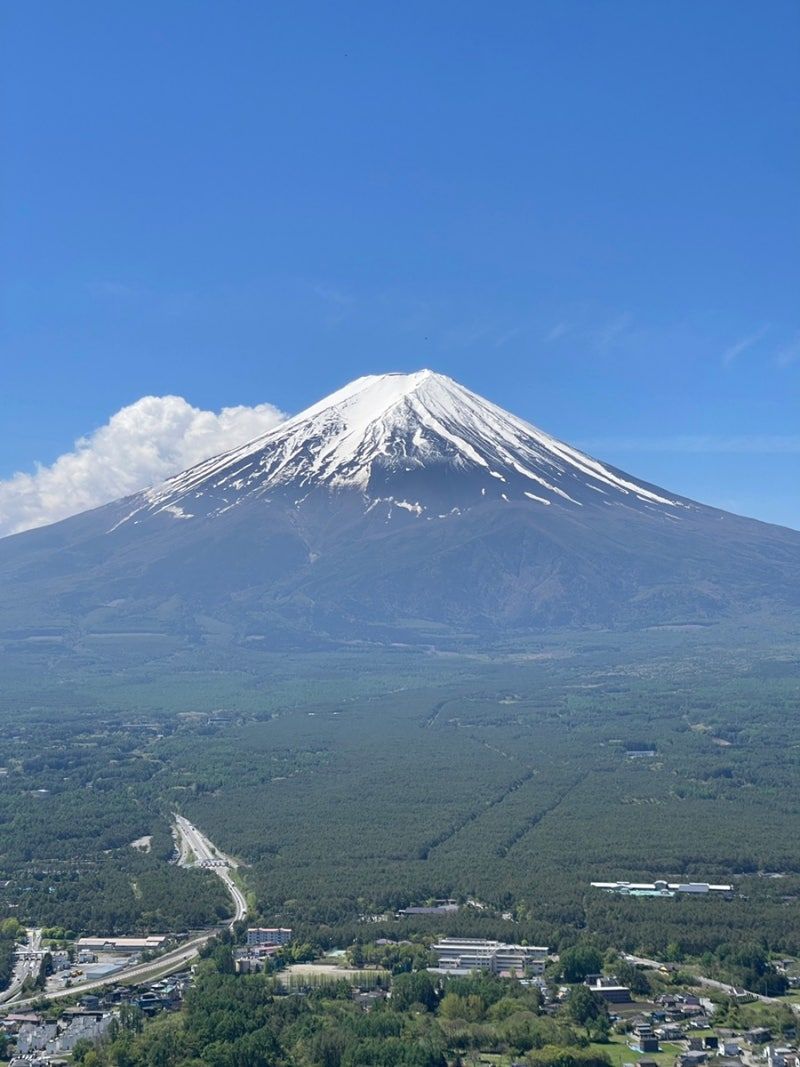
(354, 782)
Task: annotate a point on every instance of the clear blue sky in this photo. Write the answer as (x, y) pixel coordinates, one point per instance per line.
(587, 211)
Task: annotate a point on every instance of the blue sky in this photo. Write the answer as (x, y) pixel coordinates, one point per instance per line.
(586, 211)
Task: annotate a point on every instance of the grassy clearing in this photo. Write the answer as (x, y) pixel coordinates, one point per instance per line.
(619, 1052)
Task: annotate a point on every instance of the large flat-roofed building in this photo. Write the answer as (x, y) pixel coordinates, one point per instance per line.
(460, 955)
(119, 944)
(268, 935)
(610, 989)
(444, 908)
(660, 888)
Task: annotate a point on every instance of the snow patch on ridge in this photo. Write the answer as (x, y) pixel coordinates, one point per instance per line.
(382, 429)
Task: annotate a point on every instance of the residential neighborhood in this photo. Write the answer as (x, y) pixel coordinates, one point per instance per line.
(45, 1037)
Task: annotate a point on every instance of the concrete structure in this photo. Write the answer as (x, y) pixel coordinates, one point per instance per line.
(33, 1037)
(262, 952)
(660, 888)
(268, 935)
(781, 1057)
(254, 959)
(123, 945)
(670, 1032)
(446, 907)
(645, 1040)
(691, 1059)
(60, 960)
(251, 963)
(647, 1044)
(460, 955)
(609, 989)
(79, 1028)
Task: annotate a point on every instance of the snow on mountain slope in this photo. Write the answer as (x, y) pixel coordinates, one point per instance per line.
(418, 441)
(399, 502)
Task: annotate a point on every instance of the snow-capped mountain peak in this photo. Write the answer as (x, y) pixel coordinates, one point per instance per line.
(420, 442)
(402, 509)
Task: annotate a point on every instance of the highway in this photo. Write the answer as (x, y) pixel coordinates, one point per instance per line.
(25, 967)
(206, 854)
(196, 850)
(175, 960)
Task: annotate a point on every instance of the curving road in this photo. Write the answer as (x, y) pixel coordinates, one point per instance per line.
(196, 851)
(24, 968)
(711, 983)
(195, 844)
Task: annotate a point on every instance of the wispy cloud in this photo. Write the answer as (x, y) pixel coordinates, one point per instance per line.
(113, 289)
(753, 444)
(559, 330)
(598, 331)
(337, 301)
(507, 336)
(485, 332)
(732, 352)
(611, 332)
(790, 353)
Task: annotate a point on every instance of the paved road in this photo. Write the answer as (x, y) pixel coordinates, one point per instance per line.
(205, 852)
(198, 845)
(711, 983)
(170, 961)
(24, 968)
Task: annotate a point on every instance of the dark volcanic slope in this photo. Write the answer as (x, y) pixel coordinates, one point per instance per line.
(400, 498)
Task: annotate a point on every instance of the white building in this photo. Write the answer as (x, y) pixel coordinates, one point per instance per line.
(123, 945)
(33, 1037)
(268, 935)
(610, 989)
(82, 1027)
(460, 955)
(660, 888)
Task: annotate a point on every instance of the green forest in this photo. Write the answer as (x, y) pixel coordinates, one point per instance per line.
(10, 930)
(353, 784)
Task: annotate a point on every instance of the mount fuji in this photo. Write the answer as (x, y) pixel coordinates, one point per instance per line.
(395, 436)
(399, 505)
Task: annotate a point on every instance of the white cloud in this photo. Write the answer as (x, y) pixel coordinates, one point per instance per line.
(608, 335)
(735, 350)
(140, 445)
(558, 331)
(790, 353)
